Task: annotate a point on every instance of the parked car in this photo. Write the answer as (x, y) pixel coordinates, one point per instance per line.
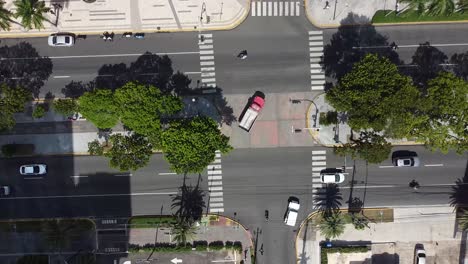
(33, 169)
(420, 256)
(61, 40)
(406, 162)
(332, 175)
(292, 211)
(4, 190)
(405, 158)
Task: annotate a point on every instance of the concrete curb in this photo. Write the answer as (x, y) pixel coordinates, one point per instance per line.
(313, 135)
(332, 26)
(237, 21)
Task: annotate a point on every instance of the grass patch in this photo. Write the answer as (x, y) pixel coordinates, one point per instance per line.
(151, 221)
(78, 225)
(324, 251)
(412, 16)
(374, 215)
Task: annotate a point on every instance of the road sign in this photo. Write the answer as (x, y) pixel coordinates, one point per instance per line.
(176, 260)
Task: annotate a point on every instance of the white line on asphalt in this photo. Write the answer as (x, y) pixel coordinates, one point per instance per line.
(214, 167)
(116, 55)
(206, 63)
(167, 173)
(318, 168)
(369, 186)
(216, 188)
(188, 73)
(347, 168)
(216, 204)
(206, 52)
(319, 163)
(79, 176)
(214, 178)
(414, 46)
(214, 172)
(216, 210)
(33, 178)
(61, 77)
(213, 183)
(124, 175)
(216, 194)
(319, 152)
(216, 199)
(433, 165)
(319, 157)
(386, 166)
(84, 196)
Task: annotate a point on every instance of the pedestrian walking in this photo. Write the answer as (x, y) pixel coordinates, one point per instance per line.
(327, 5)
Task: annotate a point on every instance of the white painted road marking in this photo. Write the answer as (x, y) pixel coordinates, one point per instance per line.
(124, 175)
(61, 77)
(85, 196)
(167, 173)
(387, 166)
(79, 176)
(433, 165)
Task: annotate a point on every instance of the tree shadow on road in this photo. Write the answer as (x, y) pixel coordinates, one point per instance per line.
(76, 89)
(329, 200)
(350, 44)
(21, 66)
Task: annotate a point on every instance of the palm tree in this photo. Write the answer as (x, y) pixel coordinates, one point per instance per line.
(459, 197)
(183, 231)
(5, 17)
(332, 226)
(417, 5)
(441, 7)
(463, 220)
(31, 13)
(329, 201)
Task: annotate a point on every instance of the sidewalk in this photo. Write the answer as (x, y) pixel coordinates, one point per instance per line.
(432, 226)
(346, 12)
(55, 134)
(80, 17)
(223, 229)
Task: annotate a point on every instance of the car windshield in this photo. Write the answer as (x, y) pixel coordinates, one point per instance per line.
(406, 162)
(67, 39)
(337, 177)
(36, 169)
(54, 40)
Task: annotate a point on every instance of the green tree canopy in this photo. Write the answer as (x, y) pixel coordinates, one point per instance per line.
(370, 147)
(100, 108)
(374, 95)
(66, 107)
(129, 152)
(190, 145)
(32, 13)
(446, 110)
(12, 100)
(142, 106)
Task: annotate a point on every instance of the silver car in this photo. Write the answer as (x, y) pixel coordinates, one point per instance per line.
(61, 40)
(33, 169)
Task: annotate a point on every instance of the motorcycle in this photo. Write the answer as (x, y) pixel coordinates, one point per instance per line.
(267, 215)
(242, 55)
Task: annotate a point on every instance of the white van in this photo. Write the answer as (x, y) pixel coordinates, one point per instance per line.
(292, 212)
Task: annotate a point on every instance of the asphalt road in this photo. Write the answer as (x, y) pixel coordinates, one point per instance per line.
(254, 180)
(277, 46)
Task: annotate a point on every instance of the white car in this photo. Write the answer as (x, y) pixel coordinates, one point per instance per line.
(332, 175)
(292, 212)
(61, 40)
(4, 190)
(420, 256)
(406, 162)
(33, 169)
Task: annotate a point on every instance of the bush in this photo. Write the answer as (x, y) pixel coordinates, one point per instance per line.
(39, 111)
(200, 245)
(160, 247)
(229, 244)
(237, 246)
(328, 118)
(95, 148)
(10, 150)
(325, 251)
(66, 107)
(216, 245)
